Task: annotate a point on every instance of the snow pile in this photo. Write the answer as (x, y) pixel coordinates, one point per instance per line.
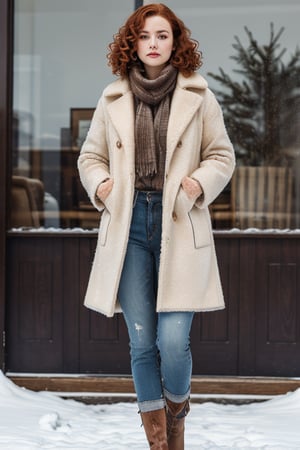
(41, 420)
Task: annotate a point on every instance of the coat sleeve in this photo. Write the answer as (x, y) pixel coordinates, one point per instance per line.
(217, 154)
(93, 161)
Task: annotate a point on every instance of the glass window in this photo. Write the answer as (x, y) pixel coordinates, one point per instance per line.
(251, 62)
(60, 69)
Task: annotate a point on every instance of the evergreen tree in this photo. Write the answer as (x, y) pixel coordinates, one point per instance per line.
(261, 110)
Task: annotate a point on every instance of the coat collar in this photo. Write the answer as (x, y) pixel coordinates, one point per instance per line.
(187, 98)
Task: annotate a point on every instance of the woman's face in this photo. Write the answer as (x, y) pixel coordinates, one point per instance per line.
(155, 44)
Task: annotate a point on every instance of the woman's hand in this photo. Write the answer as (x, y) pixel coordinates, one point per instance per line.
(191, 187)
(104, 189)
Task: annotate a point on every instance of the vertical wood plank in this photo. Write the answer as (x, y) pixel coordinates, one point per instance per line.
(35, 282)
(71, 304)
(282, 303)
(247, 293)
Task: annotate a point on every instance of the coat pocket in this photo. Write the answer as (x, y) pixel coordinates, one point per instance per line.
(183, 204)
(104, 225)
(201, 227)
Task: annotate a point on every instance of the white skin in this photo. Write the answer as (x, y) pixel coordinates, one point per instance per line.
(154, 48)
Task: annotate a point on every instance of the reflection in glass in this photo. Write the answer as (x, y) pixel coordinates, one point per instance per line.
(56, 85)
(60, 69)
(260, 103)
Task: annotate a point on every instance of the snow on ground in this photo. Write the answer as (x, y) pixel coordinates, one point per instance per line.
(42, 420)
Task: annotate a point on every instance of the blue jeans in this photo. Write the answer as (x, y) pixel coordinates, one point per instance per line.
(161, 359)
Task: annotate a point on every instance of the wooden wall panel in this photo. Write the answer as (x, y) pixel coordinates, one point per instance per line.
(214, 338)
(107, 331)
(281, 303)
(49, 329)
(36, 282)
(277, 332)
(103, 344)
(35, 320)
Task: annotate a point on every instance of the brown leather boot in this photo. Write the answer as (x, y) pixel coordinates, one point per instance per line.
(155, 425)
(176, 413)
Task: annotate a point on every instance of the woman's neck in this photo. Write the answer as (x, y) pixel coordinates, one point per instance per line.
(153, 72)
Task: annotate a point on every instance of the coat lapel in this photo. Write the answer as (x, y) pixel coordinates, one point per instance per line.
(185, 104)
(121, 112)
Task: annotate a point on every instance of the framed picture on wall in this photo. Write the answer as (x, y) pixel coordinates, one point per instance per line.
(80, 123)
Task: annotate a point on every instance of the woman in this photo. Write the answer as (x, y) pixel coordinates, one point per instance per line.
(156, 155)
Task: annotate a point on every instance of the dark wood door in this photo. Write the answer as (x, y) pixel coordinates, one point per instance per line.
(277, 331)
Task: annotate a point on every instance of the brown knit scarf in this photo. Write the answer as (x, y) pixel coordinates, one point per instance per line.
(152, 115)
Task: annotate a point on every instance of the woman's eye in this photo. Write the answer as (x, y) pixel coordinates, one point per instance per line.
(143, 36)
(162, 36)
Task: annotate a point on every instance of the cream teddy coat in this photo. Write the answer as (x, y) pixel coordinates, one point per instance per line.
(197, 146)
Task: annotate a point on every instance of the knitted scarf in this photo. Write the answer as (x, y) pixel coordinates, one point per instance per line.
(152, 115)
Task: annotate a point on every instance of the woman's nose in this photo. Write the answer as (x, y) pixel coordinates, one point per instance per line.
(153, 43)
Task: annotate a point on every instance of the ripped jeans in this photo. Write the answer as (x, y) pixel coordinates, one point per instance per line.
(161, 360)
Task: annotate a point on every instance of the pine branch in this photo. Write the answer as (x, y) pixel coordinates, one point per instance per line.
(256, 107)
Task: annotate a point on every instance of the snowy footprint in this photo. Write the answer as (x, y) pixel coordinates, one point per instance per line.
(53, 422)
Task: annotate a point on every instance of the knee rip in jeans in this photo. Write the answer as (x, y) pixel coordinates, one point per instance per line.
(138, 327)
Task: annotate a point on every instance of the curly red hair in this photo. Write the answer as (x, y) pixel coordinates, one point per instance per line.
(123, 50)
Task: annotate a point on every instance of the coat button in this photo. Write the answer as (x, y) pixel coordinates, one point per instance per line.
(174, 216)
(119, 144)
(179, 144)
